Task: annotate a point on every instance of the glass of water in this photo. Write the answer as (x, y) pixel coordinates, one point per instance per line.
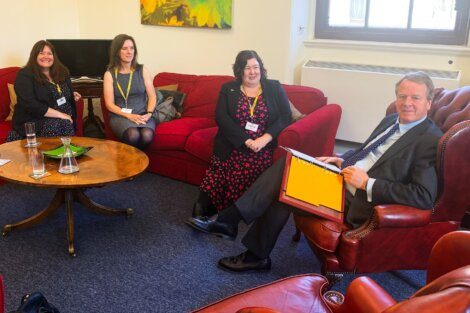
(30, 134)
(36, 159)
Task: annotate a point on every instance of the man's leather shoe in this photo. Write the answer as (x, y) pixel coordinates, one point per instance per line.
(210, 226)
(239, 264)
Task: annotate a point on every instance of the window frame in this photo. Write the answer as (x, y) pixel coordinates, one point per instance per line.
(458, 36)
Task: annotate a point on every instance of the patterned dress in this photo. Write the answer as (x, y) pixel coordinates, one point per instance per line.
(226, 180)
(54, 127)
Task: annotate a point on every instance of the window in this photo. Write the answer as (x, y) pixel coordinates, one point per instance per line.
(413, 21)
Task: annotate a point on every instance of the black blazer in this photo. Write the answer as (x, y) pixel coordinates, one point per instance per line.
(231, 135)
(33, 100)
(405, 173)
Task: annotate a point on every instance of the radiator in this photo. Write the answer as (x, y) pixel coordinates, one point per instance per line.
(363, 91)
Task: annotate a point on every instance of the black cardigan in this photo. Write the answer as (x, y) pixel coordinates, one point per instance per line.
(231, 135)
(33, 100)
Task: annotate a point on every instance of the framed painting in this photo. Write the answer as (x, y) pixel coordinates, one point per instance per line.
(187, 13)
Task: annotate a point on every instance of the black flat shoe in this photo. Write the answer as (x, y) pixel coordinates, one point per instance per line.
(239, 264)
(210, 226)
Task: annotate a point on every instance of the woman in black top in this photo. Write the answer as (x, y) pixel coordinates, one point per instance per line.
(44, 96)
(251, 112)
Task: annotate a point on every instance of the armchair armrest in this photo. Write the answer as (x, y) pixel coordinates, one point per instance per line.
(314, 134)
(400, 216)
(365, 295)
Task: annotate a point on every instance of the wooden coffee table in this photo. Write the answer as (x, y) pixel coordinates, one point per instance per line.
(108, 162)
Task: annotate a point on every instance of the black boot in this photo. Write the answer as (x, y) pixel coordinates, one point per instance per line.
(203, 211)
(203, 206)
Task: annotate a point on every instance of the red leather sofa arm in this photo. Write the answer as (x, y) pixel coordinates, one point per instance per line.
(313, 134)
(400, 216)
(365, 295)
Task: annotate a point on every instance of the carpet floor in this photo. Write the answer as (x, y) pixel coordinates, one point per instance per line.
(151, 262)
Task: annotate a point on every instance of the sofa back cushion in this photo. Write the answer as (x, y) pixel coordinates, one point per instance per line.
(305, 99)
(7, 76)
(201, 91)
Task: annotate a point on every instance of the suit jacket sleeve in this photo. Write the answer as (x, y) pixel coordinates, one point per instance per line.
(229, 128)
(26, 89)
(419, 186)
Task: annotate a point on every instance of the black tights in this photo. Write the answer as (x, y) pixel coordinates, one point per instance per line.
(138, 137)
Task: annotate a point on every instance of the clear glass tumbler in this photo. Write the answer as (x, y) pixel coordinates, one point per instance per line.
(36, 158)
(30, 134)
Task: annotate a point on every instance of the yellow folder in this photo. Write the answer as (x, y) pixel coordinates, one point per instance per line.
(316, 185)
(313, 186)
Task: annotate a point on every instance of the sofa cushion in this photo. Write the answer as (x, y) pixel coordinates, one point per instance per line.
(173, 134)
(7, 76)
(296, 114)
(201, 91)
(172, 87)
(201, 101)
(200, 143)
(12, 93)
(305, 99)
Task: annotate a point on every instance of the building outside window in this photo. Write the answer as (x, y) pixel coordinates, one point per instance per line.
(412, 21)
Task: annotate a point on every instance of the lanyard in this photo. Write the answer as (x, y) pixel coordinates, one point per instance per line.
(253, 106)
(128, 85)
(57, 86)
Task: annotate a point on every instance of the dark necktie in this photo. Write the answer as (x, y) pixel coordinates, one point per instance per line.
(364, 152)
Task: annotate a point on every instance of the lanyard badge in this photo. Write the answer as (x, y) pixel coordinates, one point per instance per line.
(128, 85)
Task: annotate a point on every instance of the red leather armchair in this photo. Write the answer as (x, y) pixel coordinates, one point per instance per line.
(397, 236)
(447, 289)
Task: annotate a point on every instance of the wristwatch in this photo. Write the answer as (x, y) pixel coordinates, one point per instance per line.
(150, 112)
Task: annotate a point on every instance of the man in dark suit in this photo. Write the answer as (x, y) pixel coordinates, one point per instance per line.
(396, 164)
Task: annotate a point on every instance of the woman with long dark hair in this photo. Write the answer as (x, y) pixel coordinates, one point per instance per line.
(45, 96)
(251, 112)
(129, 94)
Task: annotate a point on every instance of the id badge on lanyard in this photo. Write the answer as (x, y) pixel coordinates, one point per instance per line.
(61, 101)
(251, 126)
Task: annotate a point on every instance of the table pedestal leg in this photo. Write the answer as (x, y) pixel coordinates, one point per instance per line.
(80, 197)
(70, 224)
(36, 218)
(67, 197)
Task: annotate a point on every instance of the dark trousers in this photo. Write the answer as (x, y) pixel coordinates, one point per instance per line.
(260, 205)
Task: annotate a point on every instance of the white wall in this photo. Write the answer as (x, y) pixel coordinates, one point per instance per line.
(299, 31)
(261, 25)
(270, 27)
(24, 22)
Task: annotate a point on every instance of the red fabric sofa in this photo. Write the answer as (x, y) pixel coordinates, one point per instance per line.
(182, 147)
(8, 76)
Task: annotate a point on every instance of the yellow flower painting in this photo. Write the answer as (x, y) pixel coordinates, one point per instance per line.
(187, 13)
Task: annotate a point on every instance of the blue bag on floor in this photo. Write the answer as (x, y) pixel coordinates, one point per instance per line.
(35, 303)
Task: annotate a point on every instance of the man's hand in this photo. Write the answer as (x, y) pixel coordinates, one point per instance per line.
(332, 160)
(355, 177)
